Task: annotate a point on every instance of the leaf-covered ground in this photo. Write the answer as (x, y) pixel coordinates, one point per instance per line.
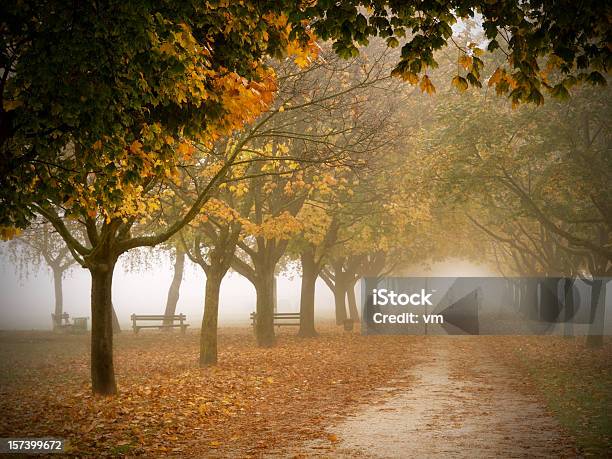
(255, 400)
(274, 401)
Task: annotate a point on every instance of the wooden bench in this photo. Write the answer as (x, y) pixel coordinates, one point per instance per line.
(79, 324)
(281, 319)
(61, 322)
(160, 318)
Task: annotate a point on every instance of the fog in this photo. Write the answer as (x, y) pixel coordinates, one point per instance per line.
(26, 302)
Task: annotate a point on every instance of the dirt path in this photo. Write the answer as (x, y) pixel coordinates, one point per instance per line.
(460, 403)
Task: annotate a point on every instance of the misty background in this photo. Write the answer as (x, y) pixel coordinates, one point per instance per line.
(27, 300)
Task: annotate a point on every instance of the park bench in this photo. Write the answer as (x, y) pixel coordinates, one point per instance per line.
(159, 318)
(61, 322)
(78, 325)
(281, 318)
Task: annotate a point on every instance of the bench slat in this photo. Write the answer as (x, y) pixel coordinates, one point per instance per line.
(282, 315)
(281, 319)
(175, 321)
(157, 315)
(151, 317)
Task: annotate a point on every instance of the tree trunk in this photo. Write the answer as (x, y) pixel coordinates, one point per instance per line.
(116, 326)
(352, 303)
(568, 316)
(516, 294)
(307, 294)
(264, 326)
(102, 371)
(175, 286)
(531, 299)
(598, 310)
(339, 299)
(59, 296)
(274, 295)
(208, 334)
(522, 292)
(549, 300)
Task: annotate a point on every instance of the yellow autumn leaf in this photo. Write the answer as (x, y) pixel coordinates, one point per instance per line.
(410, 77)
(135, 146)
(496, 77)
(9, 105)
(465, 61)
(7, 233)
(460, 83)
(302, 61)
(185, 149)
(167, 48)
(426, 85)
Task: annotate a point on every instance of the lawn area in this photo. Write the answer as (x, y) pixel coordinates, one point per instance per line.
(575, 382)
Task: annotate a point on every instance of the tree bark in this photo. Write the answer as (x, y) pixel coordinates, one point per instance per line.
(340, 299)
(175, 286)
(208, 336)
(307, 294)
(102, 370)
(116, 326)
(598, 309)
(59, 296)
(352, 303)
(264, 326)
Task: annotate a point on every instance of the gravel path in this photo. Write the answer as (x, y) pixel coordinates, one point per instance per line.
(460, 402)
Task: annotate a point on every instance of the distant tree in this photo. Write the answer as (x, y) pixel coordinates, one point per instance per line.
(175, 285)
(41, 244)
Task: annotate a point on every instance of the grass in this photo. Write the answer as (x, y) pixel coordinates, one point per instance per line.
(576, 384)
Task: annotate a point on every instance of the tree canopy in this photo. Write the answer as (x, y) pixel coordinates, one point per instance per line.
(115, 88)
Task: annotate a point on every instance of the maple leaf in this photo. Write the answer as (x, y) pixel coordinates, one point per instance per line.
(460, 83)
(426, 85)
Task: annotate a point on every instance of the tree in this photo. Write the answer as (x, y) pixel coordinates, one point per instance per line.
(41, 243)
(105, 163)
(212, 241)
(323, 127)
(175, 285)
(537, 183)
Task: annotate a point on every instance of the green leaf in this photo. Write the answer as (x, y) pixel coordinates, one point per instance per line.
(392, 42)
